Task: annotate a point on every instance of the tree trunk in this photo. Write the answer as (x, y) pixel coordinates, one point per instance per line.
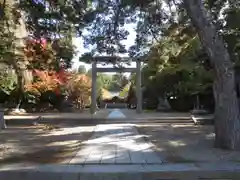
(20, 85)
(20, 63)
(15, 25)
(227, 122)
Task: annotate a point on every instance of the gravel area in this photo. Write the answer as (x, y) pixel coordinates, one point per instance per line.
(185, 143)
(41, 143)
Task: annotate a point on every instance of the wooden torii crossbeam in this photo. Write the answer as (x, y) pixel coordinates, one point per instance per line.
(114, 60)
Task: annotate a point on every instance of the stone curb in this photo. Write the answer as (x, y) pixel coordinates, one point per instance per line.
(91, 121)
(198, 171)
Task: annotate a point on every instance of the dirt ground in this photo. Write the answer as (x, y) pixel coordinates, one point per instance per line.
(180, 143)
(41, 144)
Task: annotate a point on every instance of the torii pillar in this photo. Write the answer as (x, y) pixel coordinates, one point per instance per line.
(139, 87)
(94, 88)
(94, 84)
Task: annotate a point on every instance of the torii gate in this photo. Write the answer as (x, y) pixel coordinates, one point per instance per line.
(112, 59)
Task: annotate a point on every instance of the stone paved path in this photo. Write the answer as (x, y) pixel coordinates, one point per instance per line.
(116, 144)
(116, 113)
(119, 152)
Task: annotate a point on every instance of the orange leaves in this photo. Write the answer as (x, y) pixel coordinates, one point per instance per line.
(79, 89)
(80, 84)
(48, 81)
(62, 76)
(33, 89)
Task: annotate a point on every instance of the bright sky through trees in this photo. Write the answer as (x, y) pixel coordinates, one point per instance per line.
(78, 42)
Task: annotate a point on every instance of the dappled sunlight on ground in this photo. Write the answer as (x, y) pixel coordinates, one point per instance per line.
(176, 143)
(38, 144)
(116, 144)
(186, 143)
(70, 130)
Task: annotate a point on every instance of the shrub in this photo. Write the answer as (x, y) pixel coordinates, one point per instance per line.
(79, 90)
(48, 87)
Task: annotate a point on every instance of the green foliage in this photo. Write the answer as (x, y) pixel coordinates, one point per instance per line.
(58, 21)
(31, 98)
(82, 69)
(104, 80)
(8, 81)
(177, 64)
(110, 82)
(176, 61)
(176, 69)
(56, 18)
(124, 92)
(6, 35)
(119, 81)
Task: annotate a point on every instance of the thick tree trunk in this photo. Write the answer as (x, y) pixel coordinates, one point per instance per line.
(15, 25)
(20, 84)
(227, 122)
(20, 63)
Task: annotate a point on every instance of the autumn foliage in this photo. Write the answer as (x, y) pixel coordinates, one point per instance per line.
(48, 81)
(40, 54)
(51, 79)
(76, 87)
(79, 89)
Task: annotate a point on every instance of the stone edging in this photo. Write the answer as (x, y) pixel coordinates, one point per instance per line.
(122, 172)
(90, 121)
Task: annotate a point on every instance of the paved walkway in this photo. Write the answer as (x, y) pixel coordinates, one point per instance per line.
(116, 113)
(116, 144)
(119, 152)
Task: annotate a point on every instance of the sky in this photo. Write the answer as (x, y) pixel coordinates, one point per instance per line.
(78, 42)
